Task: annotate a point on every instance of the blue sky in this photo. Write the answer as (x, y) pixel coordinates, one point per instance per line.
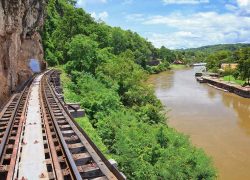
(177, 23)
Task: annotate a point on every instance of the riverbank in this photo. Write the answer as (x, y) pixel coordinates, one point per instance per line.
(230, 87)
(231, 78)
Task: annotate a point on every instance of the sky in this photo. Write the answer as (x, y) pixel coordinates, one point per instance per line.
(177, 24)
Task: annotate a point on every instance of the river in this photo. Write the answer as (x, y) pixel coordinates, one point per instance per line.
(216, 121)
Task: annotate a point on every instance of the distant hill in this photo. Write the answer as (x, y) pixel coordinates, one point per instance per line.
(220, 53)
(218, 47)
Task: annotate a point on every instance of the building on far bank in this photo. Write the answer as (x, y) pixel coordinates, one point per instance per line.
(232, 66)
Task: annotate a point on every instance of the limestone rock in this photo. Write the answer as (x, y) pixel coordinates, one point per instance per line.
(20, 41)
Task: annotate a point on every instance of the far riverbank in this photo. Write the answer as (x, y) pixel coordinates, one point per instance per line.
(230, 87)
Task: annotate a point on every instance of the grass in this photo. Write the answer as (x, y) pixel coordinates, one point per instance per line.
(177, 66)
(232, 79)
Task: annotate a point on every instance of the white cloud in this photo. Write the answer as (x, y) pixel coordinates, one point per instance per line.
(199, 29)
(243, 3)
(231, 7)
(82, 3)
(100, 16)
(185, 1)
(135, 17)
(103, 15)
(243, 7)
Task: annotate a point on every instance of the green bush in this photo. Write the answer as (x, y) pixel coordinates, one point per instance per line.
(151, 152)
(92, 133)
(106, 73)
(95, 97)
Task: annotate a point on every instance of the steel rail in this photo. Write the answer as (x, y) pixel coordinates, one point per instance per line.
(105, 166)
(65, 148)
(7, 131)
(4, 139)
(55, 160)
(11, 171)
(15, 124)
(5, 105)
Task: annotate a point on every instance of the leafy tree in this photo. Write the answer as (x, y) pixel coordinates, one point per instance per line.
(101, 34)
(124, 72)
(119, 41)
(212, 62)
(244, 64)
(82, 53)
(166, 54)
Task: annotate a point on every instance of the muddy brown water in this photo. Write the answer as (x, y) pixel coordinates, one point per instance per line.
(216, 121)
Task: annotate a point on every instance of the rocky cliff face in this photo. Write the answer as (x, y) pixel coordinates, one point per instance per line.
(20, 41)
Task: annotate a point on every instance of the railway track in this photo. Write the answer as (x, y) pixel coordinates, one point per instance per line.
(11, 126)
(40, 140)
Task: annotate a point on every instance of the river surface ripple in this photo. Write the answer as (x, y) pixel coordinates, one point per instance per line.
(216, 121)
